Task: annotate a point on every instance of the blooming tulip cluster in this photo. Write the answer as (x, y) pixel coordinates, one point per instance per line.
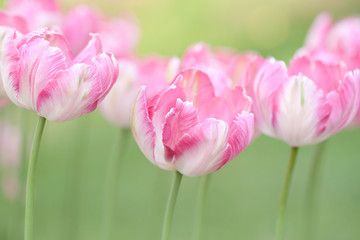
(190, 115)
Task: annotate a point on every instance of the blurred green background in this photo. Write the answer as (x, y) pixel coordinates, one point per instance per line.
(243, 196)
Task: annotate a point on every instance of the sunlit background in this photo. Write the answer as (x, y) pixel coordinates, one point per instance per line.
(243, 196)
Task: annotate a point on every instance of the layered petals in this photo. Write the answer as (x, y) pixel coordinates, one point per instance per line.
(177, 129)
(41, 75)
(305, 103)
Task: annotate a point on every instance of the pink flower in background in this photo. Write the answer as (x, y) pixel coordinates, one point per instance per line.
(225, 66)
(10, 21)
(40, 74)
(190, 129)
(334, 42)
(119, 35)
(37, 13)
(153, 72)
(305, 103)
(10, 153)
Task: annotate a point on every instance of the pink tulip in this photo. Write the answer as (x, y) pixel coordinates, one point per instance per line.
(224, 66)
(188, 128)
(305, 103)
(39, 74)
(337, 42)
(37, 13)
(119, 35)
(153, 72)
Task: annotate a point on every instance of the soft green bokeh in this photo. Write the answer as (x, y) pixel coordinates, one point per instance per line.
(243, 196)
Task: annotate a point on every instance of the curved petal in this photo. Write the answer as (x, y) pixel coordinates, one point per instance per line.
(78, 25)
(141, 126)
(241, 133)
(204, 149)
(164, 102)
(93, 48)
(178, 121)
(268, 81)
(9, 66)
(319, 30)
(326, 76)
(303, 112)
(344, 102)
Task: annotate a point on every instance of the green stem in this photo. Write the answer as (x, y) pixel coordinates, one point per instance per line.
(111, 185)
(284, 195)
(169, 212)
(30, 183)
(203, 189)
(312, 190)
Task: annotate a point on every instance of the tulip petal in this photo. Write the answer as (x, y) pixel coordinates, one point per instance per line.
(142, 127)
(303, 112)
(164, 102)
(325, 76)
(318, 31)
(179, 120)
(344, 102)
(204, 149)
(268, 81)
(242, 132)
(93, 48)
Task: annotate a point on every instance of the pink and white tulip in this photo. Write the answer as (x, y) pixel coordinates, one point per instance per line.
(153, 72)
(39, 74)
(119, 35)
(188, 128)
(305, 103)
(334, 42)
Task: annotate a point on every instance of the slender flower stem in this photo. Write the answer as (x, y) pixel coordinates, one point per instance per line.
(169, 212)
(30, 183)
(203, 189)
(312, 188)
(111, 187)
(284, 195)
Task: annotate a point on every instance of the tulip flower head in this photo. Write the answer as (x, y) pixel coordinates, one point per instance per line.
(119, 35)
(334, 42)
(188, 128)
(305, 103)
(39, 74)
(153, 72)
